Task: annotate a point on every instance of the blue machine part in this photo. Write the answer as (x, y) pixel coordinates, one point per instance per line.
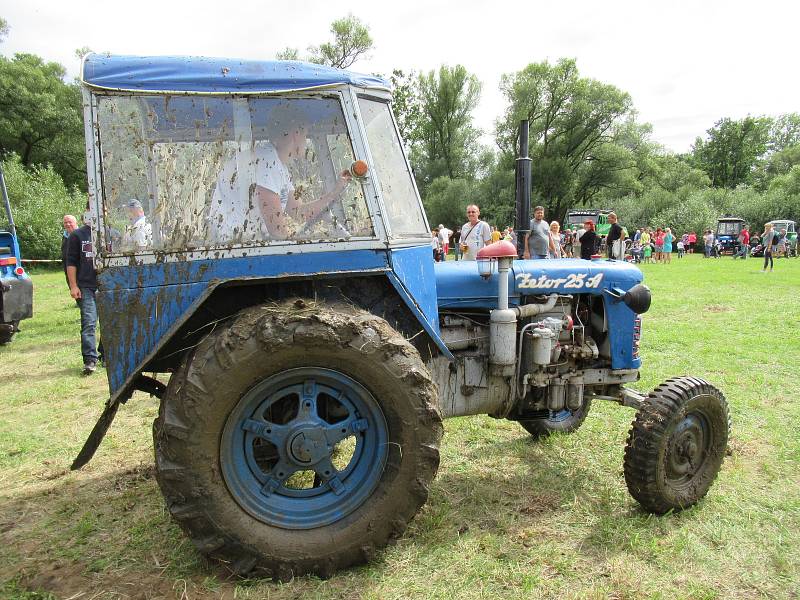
(142, 306)
(215, 75)
(414, 279)
(459, 287)
(16, 289)
(291, 423)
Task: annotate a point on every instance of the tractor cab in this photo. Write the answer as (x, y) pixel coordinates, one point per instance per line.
(576, 218)
(727, 233)
(204, 172)
(789, 229)
(16, 287)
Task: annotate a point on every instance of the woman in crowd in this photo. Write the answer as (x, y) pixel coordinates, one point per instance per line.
(555, 236)
(767, 238)
(667, 245)
(658, 240)
(569, 237)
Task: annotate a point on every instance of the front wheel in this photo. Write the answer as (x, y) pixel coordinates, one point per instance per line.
(298, 439)
(7, 331)
(676, 444)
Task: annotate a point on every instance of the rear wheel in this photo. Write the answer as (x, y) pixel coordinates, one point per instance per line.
(562, 421)
(676, 444)
(298, 439)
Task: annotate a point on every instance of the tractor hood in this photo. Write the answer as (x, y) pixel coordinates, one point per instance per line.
(459, 286)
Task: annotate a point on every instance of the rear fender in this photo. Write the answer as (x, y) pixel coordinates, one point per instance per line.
(152, 314)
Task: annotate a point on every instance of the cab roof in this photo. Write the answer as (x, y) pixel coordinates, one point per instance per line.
(204, 75)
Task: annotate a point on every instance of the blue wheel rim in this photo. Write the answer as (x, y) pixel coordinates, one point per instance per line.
(293, 422)
(560, 416)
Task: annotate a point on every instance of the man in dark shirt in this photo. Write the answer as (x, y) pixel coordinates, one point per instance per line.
(82, 281)
(589, 240)
(614, 233)
(70, 224)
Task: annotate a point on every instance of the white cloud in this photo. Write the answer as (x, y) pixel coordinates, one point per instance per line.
(686, 64)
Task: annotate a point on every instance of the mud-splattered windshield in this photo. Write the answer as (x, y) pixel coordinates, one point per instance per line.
(187, 172)
(729, 227)
(399, 196)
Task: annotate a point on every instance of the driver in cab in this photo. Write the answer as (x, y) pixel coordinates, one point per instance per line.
(272, 198)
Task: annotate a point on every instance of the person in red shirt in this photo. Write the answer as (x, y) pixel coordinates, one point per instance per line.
(658, 240)
(692, 240)
(744, 243)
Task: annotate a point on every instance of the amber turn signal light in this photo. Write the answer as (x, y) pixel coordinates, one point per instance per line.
(359, 168)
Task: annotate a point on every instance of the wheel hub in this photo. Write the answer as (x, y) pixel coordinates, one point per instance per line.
(316, 409)
(308, 446)
(687, 448)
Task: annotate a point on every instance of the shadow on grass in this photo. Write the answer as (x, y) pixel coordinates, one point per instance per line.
(110, 531)
(548, 491)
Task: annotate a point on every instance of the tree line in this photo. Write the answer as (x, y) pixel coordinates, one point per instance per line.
(589, 148)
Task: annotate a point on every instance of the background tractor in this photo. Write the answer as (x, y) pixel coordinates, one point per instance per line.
(727, 233)
(16, 287)
(313, 348)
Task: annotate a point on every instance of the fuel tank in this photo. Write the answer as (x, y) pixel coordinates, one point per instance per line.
(458, 285)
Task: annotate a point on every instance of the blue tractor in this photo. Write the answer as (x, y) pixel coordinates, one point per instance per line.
(261, 240)
(16, 287)
(727, 233)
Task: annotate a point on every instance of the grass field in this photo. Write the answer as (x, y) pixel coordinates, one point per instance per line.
(506, 518)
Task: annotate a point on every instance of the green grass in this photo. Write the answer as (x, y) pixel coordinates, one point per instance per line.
(506, 518)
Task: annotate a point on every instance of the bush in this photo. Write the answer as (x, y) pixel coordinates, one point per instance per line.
(39, 201)
(446, 201)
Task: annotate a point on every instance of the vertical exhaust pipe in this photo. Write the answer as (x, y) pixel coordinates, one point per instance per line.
(522, 188)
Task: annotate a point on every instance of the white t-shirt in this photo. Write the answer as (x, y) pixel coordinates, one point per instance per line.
(444, 235)
(475, 238)
(138, 235)
(234, 215)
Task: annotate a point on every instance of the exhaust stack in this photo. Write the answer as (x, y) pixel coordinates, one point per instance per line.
(522, 188)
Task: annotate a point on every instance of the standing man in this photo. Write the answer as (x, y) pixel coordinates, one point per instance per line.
(615, 239)
(83, 287)
(589, 240)
(444, 240)
(708, 240)
(744, 243)
(475, 234)
(538, 243)
(70, 224)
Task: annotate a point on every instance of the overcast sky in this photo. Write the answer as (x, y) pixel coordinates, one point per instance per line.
(686, 64)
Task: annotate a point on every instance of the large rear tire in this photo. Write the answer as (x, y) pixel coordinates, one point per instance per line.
(562, 421)
(298, 439)
(676, 444)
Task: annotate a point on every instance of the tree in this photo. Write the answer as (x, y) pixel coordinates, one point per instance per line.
(3, 29)
(732, 150)
(39, 200)
(578, 127)
(671, 172)
(447, 141)
(81, 52)
(288, 54)
(446, 201)
(406, 105)
(351, 39)
(784, 132)
(41, 118)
